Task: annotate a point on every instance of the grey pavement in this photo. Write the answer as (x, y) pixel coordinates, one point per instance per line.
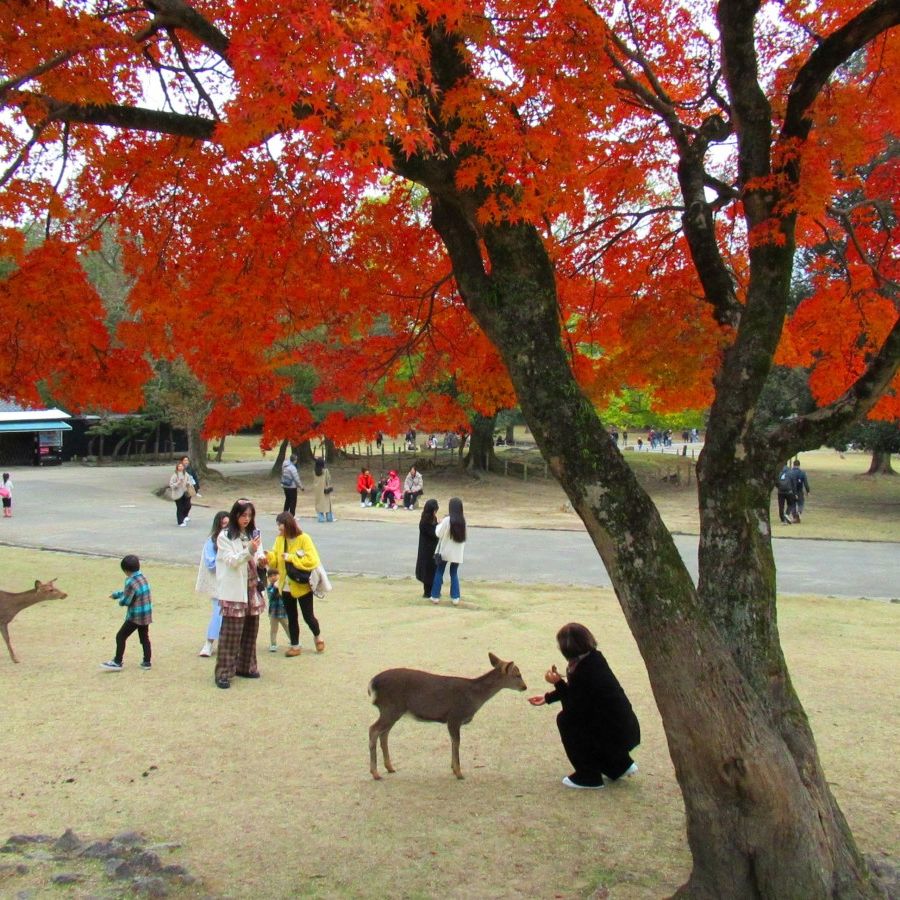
(113, 511)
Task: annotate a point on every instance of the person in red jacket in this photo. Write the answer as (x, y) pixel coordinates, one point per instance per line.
(365, 487)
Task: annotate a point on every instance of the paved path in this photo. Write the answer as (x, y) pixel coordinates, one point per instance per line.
(112, 511)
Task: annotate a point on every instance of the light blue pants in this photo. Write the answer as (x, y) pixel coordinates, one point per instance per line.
(438, 582)
(215, 622)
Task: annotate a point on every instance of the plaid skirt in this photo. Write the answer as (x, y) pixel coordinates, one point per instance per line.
(276, 608)
(237, 647)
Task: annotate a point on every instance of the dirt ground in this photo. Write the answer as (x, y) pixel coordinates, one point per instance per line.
(264, 790)
(845, 504)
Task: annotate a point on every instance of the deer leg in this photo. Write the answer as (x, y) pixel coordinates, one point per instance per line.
(379, 731)
(384, 750)
(453, 728)
(4, 630)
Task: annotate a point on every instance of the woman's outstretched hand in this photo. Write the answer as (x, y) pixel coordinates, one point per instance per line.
(551, 676)
(537, 701)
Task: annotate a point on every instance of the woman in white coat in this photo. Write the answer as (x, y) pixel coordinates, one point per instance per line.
(206, 581)
(451, 535)
(237, 590)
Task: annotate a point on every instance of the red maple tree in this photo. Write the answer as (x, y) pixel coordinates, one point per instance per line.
(542, 201)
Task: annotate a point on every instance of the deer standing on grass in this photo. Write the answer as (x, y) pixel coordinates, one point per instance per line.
(433, 698)
(12, 604)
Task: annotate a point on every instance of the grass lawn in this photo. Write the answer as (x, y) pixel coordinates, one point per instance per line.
(265, 788)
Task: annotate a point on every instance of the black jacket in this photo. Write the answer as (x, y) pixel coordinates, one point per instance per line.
(425, 558)
(594, 697)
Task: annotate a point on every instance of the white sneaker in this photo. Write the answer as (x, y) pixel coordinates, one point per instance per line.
(182, 524)
(435, 599)
(581, 787)
(111, 666)
(206, 649)
(273, 648)
(631, 770)
(187, 519)
(362, 503)
(455, 602)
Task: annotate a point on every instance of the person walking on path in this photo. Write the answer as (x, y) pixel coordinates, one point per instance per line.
(135, 596)
(195, 478)
(597, 725)
(181, 488)
(295, 553)
(323, 488)
(428, 542)
(6, 489)
(238, 593)
(451, 535)
(787, 497)
(290, 484)
(801, 489)
(206, 581)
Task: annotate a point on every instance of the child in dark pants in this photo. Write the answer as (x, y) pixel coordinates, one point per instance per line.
(138, 614)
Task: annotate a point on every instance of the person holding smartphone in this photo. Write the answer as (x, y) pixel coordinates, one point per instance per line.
(237, 589)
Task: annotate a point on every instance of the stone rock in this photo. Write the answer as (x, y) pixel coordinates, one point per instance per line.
(68, 842)
(67, 878)
(20, 839)
(9, 870)
(101, 850)
(151, 886)
(146, 860)
(119, 868)
(128, 837)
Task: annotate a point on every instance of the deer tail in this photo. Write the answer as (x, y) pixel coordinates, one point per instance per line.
(373, 691)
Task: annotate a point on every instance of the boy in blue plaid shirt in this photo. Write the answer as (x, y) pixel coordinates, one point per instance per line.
(138, 614)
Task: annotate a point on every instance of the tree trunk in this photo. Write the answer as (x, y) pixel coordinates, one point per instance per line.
(510, 435)
(881, 463)
(481, 444)
(280, 457)
(220, 450)
(761, 821)
(197, 451)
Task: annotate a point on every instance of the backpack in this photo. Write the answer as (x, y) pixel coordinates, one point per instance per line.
(5, 491)
(785, 482)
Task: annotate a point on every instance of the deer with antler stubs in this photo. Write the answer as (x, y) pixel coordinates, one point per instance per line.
(12, 604)
(434, 698)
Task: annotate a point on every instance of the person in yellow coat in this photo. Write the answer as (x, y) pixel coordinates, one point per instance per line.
(295, 547)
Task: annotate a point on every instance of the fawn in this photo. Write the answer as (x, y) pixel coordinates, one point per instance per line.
(12, 604)
(434, 698)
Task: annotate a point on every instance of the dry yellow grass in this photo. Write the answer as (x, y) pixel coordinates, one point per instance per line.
(267, 788)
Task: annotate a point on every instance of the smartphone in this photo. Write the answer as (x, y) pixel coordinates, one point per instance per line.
(255, 534)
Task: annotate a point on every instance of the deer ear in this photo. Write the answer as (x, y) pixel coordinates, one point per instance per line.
(37, 584)
(495, 662)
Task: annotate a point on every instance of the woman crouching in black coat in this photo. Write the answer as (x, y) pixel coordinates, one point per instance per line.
(597, 725)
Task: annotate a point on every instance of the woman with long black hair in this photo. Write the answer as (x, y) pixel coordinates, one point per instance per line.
(237, 590)
(427, 546)
(451, 535)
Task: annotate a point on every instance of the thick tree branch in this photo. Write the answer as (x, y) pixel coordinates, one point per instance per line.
(832, 52)
(178, 14)
(135, 118)
(812, 430)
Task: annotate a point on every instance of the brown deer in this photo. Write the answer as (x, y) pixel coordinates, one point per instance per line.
(434, 698)
(12, 604)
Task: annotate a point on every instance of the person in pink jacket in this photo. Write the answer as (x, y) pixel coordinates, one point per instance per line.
(391, 490)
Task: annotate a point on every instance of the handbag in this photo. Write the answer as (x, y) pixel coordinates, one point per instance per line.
(191, 490)
(294, 572)
(329, 489)
(438, 559)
